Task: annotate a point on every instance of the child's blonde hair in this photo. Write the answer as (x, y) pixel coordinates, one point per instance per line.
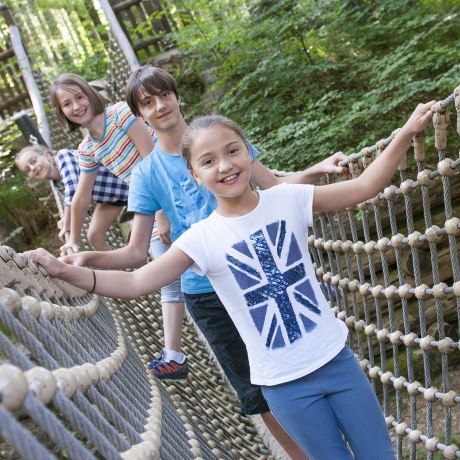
(206, 122)
(67, 79)
(37, 149)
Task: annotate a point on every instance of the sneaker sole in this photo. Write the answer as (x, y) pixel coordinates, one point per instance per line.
(171, 377)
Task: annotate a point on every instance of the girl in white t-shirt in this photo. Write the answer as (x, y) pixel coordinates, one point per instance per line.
(254, 250)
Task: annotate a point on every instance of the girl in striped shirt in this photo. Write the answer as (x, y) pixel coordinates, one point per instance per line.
(115, 138)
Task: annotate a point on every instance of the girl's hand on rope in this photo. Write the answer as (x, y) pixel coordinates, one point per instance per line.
(331, 165)
(71, 247)
(63, 231)
(419, 120)
(78, 259)
(50, 263)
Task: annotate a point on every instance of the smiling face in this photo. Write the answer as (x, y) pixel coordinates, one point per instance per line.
(219, 159)
(38, 166)
(75, 105)
(161, 110)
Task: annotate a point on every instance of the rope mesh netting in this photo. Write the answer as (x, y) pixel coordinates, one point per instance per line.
(72, 381)
(390, 270)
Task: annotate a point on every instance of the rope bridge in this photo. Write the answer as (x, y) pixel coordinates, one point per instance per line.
(73, 375)
(73, 378)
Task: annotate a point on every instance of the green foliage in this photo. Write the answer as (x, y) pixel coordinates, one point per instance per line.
(363, 73)
(306, 79)
(23, 218)
(65, 40)
(207, 29)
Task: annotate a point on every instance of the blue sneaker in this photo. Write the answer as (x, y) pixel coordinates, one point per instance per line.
(155, 362)
(169, 370)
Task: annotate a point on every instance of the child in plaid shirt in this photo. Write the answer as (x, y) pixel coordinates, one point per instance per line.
(109, 192)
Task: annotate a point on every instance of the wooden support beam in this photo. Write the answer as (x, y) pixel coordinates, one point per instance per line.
(4, 55)
(120, 36)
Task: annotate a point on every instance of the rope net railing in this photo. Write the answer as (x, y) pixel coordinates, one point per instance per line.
(74, 380)
(391, 272)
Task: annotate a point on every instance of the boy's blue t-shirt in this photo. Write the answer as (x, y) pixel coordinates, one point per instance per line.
(162, 181)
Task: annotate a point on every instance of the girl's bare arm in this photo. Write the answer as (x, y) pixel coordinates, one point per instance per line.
(133, 255)
(141, 137)
(117, 284)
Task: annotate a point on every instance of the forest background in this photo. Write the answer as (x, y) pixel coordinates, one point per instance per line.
(303, 78)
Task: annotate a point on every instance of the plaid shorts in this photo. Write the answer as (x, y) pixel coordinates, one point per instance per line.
(108, 189)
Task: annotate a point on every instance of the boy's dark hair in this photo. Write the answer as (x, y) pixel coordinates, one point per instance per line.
(150, 81)
(207, 122)
(64, 81)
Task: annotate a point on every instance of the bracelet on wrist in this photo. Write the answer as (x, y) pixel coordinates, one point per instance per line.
(94, 282)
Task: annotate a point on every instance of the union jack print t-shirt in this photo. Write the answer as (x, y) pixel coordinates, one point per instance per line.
(260, 266)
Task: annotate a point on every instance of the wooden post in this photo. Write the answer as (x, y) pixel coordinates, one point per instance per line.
(120, 36)
(31, 85)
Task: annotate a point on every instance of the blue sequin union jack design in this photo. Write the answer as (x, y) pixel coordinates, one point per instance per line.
(269, 270)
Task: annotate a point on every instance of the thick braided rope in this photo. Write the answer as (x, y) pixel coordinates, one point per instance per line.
(88, 421)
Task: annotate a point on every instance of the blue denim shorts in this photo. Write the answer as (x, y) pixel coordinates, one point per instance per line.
(216, 325)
